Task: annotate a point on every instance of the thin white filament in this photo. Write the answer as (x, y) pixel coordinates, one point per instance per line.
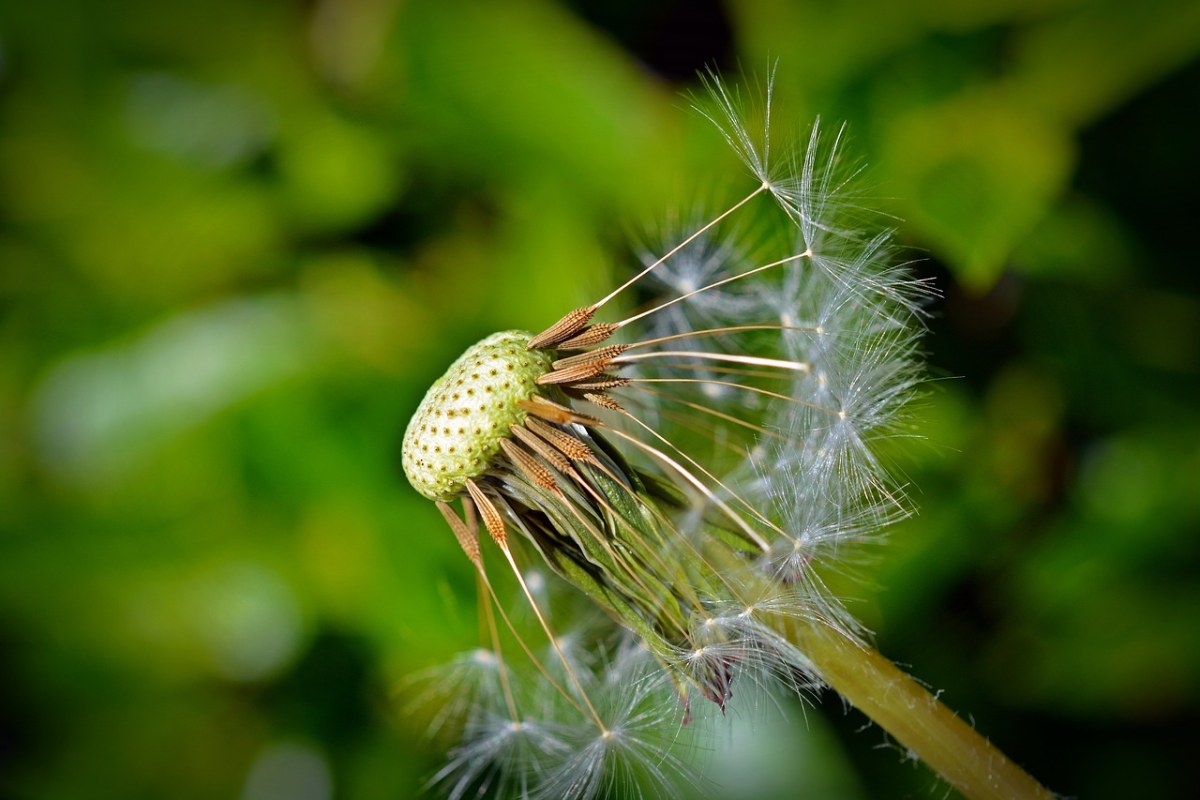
(553, 639)
(727, 329)
(683, 244)
(733, 385)
(722, 282)
(709, 475)
(757, 361)
(698, 485)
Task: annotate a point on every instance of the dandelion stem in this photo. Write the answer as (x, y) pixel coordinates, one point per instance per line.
(907, 711)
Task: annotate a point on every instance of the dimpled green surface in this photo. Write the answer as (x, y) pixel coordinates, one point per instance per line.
(457, 428)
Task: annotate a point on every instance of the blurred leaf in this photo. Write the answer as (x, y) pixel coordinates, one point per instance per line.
(1077, 241)
(96, 411)
(547, 97)
(336, 174)
(977, 173)
(1077, 65)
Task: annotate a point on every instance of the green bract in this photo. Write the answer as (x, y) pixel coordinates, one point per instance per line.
(458, 427)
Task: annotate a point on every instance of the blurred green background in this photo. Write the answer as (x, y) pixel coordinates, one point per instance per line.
(238, 239)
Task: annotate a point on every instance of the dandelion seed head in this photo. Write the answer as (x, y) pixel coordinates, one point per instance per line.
(698, 481)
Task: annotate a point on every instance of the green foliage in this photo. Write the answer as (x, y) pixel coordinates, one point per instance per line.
(238, 240)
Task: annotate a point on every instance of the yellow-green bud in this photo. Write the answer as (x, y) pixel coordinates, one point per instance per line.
(458, 427)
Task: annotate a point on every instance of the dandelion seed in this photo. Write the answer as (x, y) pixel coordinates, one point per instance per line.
(696, 470)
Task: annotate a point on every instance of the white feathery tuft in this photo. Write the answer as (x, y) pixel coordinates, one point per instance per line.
(500, 756)
(635, 755)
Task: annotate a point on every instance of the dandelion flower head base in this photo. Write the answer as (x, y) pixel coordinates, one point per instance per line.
(457, 429)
